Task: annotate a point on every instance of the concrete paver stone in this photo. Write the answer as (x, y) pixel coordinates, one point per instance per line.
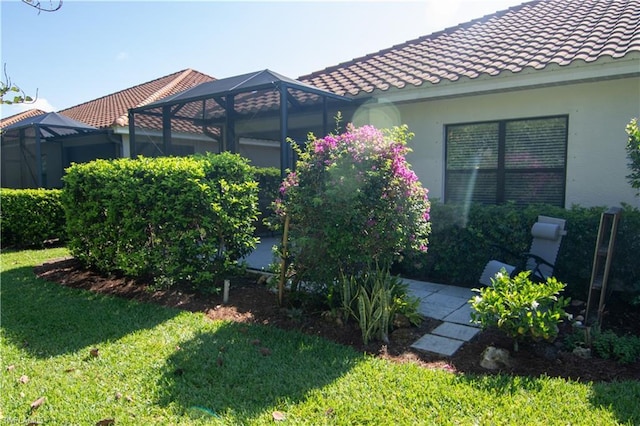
(432, 310)
(465, 293)
(462, 315)
(450, 302)
(424, 286)
(437, 344)
(455, 331)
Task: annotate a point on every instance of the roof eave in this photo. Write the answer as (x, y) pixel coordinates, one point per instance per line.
(552, 75)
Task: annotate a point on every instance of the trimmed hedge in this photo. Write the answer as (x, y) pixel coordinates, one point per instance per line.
(29, 217)
(177, 219)
(461, 244)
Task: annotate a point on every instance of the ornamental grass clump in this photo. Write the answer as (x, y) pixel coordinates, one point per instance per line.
(373, 298)
(353, 201)
(521, 308)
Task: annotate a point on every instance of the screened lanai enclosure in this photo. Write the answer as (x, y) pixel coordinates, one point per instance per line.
(251, 114)
(36, 150)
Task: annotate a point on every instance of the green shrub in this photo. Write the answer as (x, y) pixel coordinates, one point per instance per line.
(608, 345)
(29, 217)
(175, 219)
(269, 181)
(633, 153)
(520, 307)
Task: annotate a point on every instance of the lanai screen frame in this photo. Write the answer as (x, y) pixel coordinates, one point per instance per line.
(244, 92)
(47, 127)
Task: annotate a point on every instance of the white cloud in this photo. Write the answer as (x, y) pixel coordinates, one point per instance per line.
(454, 12)
(40, 103)
(122, 56)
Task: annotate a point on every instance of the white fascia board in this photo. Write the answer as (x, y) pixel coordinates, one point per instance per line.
(122, 130)
(552, 75)
(268, 143)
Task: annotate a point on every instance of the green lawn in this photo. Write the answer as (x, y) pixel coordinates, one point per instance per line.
(163, 366)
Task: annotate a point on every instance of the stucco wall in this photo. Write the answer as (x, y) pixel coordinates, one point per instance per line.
(598, 113)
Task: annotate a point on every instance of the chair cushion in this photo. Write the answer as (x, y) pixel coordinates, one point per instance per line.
(547, 231)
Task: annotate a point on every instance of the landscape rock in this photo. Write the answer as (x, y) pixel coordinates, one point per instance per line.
(584, 353)
(495, 358)
(401, 321)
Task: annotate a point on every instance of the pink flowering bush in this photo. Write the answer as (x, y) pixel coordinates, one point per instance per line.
(353, 202)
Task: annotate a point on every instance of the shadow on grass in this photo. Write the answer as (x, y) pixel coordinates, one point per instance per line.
(620, 398)
(238, 371)
(502, 384)
(47, 319)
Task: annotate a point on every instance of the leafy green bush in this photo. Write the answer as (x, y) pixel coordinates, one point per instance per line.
(633, 153)
(29, 217)
(462, 242)
(269, 180)
(520, 307)
(175, 219)
(353, 200)
(608, 345)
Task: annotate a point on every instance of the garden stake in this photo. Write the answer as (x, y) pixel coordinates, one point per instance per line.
(283, 264)
(225, 293)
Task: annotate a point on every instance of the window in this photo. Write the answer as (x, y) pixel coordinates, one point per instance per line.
(523, 161)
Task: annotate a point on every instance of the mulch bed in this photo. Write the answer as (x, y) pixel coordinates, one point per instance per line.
(251, 301)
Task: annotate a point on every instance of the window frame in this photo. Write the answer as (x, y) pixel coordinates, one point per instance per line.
(501, 169)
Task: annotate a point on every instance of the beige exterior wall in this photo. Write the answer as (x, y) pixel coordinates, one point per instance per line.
(598, 113)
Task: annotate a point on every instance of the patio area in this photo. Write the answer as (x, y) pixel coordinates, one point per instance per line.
(438, 301)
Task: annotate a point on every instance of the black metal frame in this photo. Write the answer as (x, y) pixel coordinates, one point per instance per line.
(234, 93)
(43, 130)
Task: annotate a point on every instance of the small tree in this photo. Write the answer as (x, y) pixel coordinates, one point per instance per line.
(633, 153)
(353, 202)
(7, 89)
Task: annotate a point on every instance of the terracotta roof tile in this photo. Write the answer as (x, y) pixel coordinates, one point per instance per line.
(20, 116)
(113, 109)
(533, 35)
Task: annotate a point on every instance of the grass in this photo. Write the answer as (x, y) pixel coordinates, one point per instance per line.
(164, 366)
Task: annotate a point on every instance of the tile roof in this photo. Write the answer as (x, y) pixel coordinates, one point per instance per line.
(533, 35)
(8, 121)
(113, 109)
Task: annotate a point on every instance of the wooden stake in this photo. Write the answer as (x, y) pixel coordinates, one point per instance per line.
(283, 263)
(225, 293)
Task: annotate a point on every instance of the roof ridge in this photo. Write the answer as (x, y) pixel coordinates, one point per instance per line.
(417, 40)
(127, 89)
(158, 94)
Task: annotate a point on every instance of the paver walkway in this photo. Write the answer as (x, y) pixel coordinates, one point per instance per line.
(438, 301)
(450, 305)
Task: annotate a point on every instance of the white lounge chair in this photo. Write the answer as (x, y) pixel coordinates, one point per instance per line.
(547, 235)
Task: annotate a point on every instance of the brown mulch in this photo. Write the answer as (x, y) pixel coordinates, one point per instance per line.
(251, 301)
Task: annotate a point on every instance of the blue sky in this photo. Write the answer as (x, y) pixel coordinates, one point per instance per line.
(89, 49)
